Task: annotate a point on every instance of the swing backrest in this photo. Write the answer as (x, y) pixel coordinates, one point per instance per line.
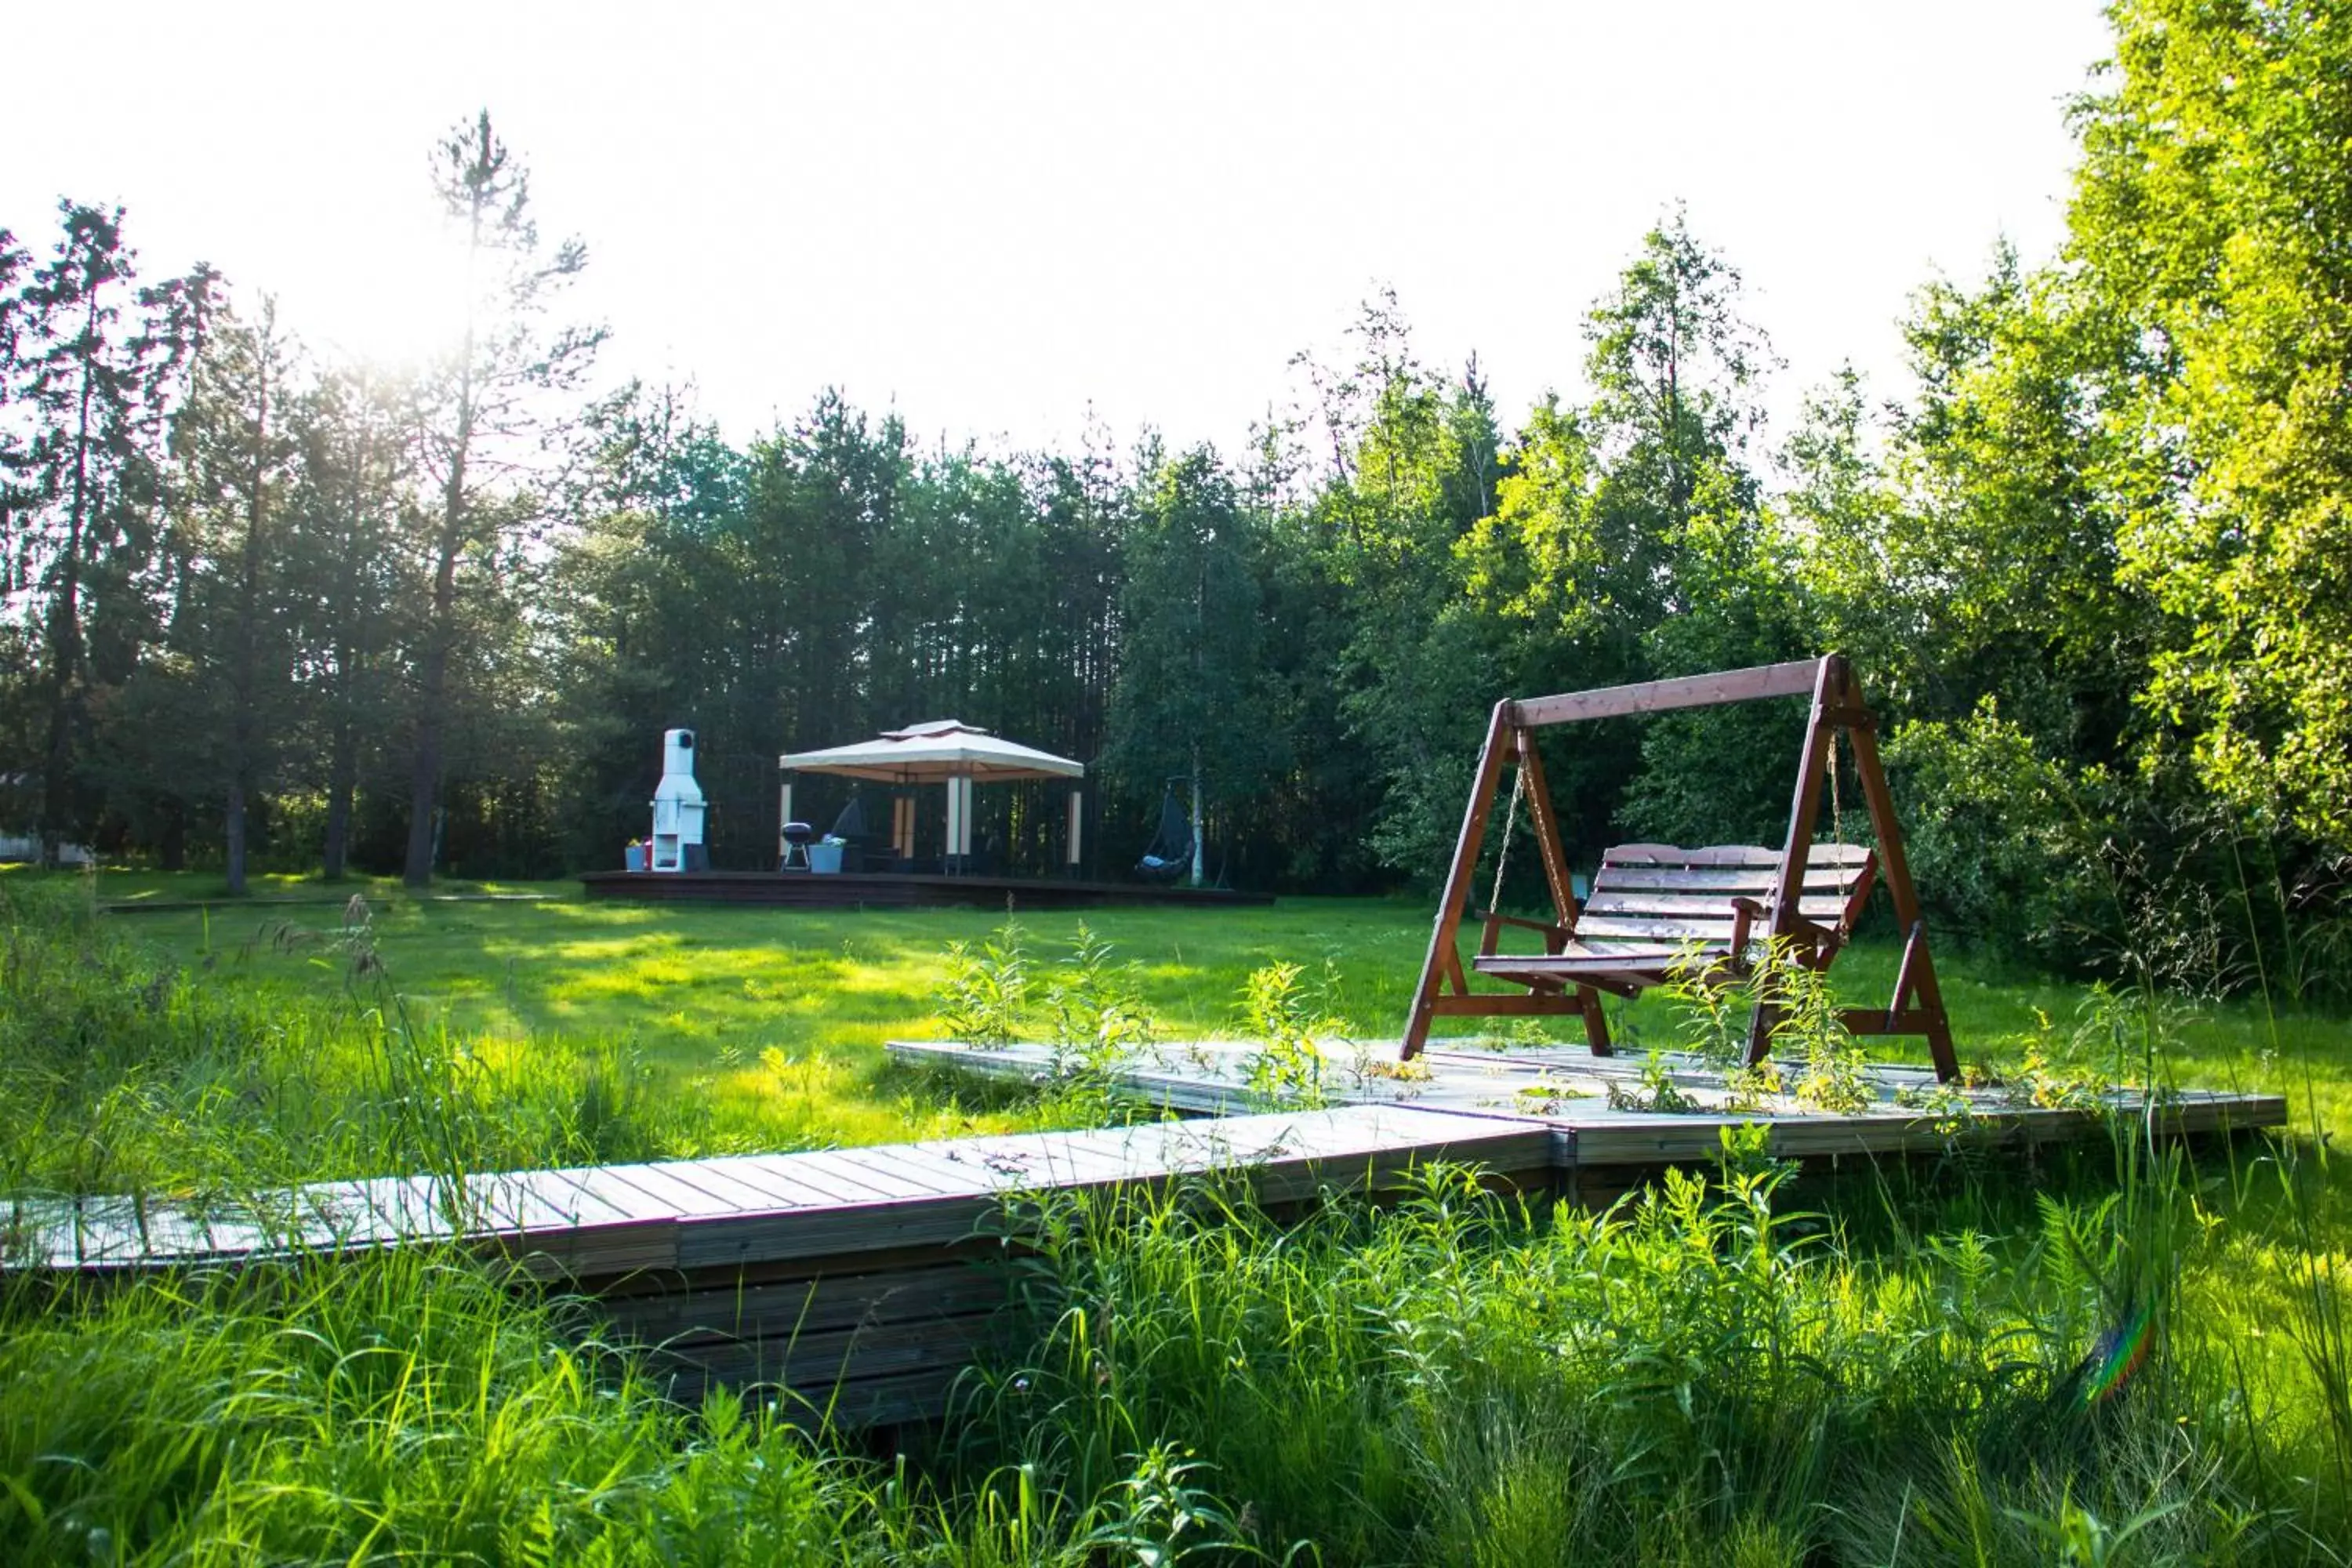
(1660, 894)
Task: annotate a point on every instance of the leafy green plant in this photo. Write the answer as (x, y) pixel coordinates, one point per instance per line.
(1161, 1516)
(1944, 1107)
(1657, 1092)
(1711, 1011)
(1095, 1009)
(1711, 1016)
(1277, 1011)
(984, 995)
(2051, 1076)
(1831, 1072)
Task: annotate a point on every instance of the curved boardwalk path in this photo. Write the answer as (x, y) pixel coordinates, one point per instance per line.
(859, 1278)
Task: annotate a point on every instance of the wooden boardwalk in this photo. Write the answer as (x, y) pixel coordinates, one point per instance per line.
(858, 1278)
(848, 1274)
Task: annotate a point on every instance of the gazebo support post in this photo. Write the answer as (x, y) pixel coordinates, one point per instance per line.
(948, 845)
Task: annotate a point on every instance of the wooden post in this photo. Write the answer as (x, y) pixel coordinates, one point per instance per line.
(1805, 804)
(1546, 827)
(1919, 966)
(948, 845)
(1443, 955)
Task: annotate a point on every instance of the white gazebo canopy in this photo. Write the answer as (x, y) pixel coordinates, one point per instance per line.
(933, 753)
(943, 751)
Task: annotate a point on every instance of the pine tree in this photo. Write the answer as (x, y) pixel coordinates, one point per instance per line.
(93, 364)
(349, 586)
(237, 459)
(488, 400)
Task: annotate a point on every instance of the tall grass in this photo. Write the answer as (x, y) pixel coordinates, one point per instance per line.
(1700, 1375)
(120, 1076)
(402, 1406)
(1710, 1374)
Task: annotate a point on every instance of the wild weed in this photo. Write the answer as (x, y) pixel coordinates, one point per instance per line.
(1096, 1010)
(1657, 1092)
(984, 999)
(1279, 1013)
(1832, 1073)
(1093, 1016)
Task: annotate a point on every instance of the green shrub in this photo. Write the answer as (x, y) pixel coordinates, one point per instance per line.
(984, 999)
(2004, 842)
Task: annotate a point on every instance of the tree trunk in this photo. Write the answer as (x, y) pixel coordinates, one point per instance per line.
(242, 678)
(352, 640)
(1199, 853)
(173, 852)
(424, 772)
(233, 836)
(425, 777)
(342, 778)
(65, 626)
(433, 686)
(56, 772)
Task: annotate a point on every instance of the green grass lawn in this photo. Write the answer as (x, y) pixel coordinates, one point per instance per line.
(776, 1017)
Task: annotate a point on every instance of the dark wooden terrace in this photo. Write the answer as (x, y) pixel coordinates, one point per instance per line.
(895, 890)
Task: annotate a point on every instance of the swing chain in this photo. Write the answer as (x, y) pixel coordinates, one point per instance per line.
(1837, 806)
(1510, 822)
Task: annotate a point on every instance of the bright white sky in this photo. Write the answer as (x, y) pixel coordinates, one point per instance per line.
(995, 215)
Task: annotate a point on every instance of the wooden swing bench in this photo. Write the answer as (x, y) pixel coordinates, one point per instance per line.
(1657, 913)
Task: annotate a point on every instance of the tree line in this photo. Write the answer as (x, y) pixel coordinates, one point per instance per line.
(2096, 569)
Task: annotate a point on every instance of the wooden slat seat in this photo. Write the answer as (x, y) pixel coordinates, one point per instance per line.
(1656, 911)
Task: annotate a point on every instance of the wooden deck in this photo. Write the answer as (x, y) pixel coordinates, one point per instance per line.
(861, 1279)
(886, 890)
(846, 1274)
(1567, 1091)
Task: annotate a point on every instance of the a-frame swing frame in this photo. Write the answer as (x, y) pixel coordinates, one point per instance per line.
(1917, 1007)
